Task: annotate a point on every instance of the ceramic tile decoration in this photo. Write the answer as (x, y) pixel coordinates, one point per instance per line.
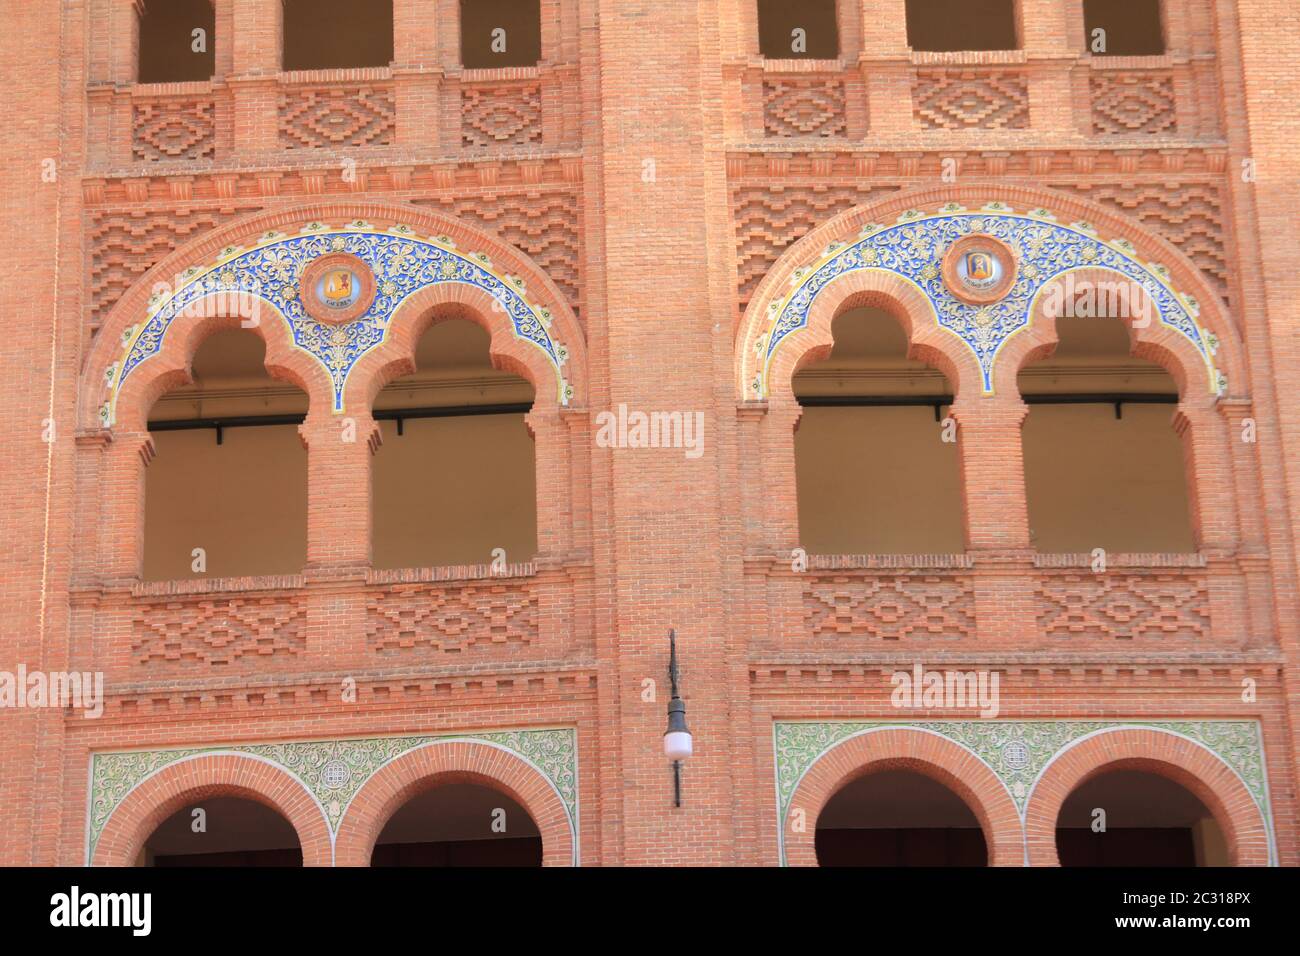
(334, 771)
(401, 262)
(1018, 751)
(915, 248)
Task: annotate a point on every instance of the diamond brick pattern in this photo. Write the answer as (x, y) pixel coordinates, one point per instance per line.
(450, 619)
(1132, 103)
(890, 607)
(217, 631)
(1123, 607)
(501, 115)
(769, 219)
(544, 225)
(172, 129)
(124, 245)
(1190, 215)
(971, 99)
(809, 106)
(337, 116)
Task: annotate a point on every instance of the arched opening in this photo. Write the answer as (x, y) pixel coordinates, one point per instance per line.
(876, 466)
(337, 34)
(1137, 818)
(226, 494)
(1104, 467)
(898, 818)
(497, 33)
(798, 30)
(945, 26)
(177, 42)
(223, 831)
(1123, 27)
(455, 478)
(459, 824)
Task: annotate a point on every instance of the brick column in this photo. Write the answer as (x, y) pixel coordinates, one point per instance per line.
(120, 489)
(886, 68)
(339, 449)
(993, 471)
(663, 555)
(417, 75)
(997, 519)
(1046, 31)
(255, 67)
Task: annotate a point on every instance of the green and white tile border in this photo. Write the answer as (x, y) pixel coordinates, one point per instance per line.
(334, 771)
(1018, 752)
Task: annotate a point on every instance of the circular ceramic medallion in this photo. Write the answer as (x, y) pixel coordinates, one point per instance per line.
(979, 269)
(335, 774)
(1015, 755)
(337, 288)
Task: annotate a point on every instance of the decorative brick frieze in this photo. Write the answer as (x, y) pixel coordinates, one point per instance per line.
(1133, 103)
(173, 127)
(216, 630)
(796, 106)
(880, 606)
(337, 116)
(501, 114)
(450, 618)
(1143, 600)
(965, 99)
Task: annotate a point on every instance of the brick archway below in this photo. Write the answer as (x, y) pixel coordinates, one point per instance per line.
(1176, 758)
(457, 761)
(920, 751)
(211, 775)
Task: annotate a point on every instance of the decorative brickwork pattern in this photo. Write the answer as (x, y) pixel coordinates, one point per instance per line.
(337, 116)
(803, 106)
(501, 115)
(544, 226)
(450, 618)
(768, 220)
(125, 245)
(891, 608)
(173, 129)
(1123, 607)
(1126, 103)
(217, 630)
(1190, 215)
(971, 99)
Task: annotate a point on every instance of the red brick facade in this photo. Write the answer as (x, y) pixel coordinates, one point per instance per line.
(656, 184)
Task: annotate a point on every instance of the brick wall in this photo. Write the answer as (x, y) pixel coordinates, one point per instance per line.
(658, 183)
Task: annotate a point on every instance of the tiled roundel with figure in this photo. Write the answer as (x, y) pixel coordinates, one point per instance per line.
(337, 288)
(979, 269)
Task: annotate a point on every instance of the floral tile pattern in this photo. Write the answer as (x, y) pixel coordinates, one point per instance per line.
(403, 264)
(334, 771)
(1016, 751)
(914, 248)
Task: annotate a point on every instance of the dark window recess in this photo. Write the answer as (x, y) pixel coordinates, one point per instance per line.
(168, 42)
(495, 33)
(779, 19)
(1128, 27)
(337, 34)
(945, 26)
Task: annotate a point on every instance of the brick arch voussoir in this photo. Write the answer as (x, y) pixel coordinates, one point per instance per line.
(932, 755)
(395, 357)
(1154, 342)
(1154, 751)
(453, 762)
(908, 306)
(846, 226)
(171, 367)
(131, 308)
(212, 775)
